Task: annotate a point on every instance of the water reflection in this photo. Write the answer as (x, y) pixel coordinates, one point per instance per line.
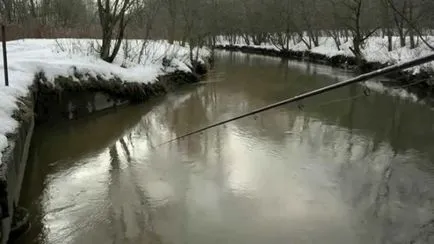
(350, 171)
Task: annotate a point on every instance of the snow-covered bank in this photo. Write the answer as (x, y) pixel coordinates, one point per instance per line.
(414, 82)
(375, 50)
(68, 57)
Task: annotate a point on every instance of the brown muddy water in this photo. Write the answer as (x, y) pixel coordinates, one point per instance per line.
(329, 170)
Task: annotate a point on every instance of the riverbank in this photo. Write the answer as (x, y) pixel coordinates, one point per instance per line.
(65, 79)
(417, 80)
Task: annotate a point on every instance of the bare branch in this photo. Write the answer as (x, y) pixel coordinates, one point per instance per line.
(411, 24)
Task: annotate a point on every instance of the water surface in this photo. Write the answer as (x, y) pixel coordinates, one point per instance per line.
(342, 167)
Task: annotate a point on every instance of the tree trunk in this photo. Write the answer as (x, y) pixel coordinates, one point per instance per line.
(231, 40)
(336, 38)
(172, 9)
(191, 53)
(258, 39)
(412, 41)
(8, 7)
(287, 40)
(411, 25)
(142, 51)
(411, 31)
(346, 33)
(172, 30)
(401, 38)
(316, 35)
(295, 39)
(33, 8)
(109, 21)
(313, 39)
(119, 39)
(308, 44)
(106, 43)
(357, 53)
(400, 25)
(246, 39)
(358, 38)
(389, 40)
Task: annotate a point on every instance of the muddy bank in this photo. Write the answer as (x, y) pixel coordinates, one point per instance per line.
(68, 99)
(421, 84)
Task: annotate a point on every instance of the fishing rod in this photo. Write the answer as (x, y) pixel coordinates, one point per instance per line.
(363, 77)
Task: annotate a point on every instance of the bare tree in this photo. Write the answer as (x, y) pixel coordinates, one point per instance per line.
(308, 24)
(334, 25)
(33, 8)
(143, 21)
(113, 20)
(361, 28)
(172, 9)
(281, 23)
(410, 22)
(387, 23)
(399, 19)
(7, 9)
(194, 26)
(255, 22)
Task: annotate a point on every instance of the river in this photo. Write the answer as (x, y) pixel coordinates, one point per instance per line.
(349, 166)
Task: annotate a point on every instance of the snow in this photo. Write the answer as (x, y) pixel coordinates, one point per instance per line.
(342, 74)
(64, 57)
(396, 92)
(374, 50)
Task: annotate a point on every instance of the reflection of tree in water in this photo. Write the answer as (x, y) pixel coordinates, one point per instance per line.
(383, 195)
(389, 189)
(384, 198)
(142, 216)
(126, 150)
(194, 117)
(372, 116)
(114, 188)
(374, 193)
(425, 234)
(350, 113)
(376, 177)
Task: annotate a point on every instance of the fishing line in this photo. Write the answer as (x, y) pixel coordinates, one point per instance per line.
(363, 77)
(341, 100)
(411, 84)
